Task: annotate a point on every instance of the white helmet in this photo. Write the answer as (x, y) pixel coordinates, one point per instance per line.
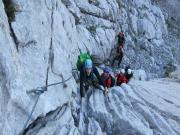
(129, 71)
(122, 71)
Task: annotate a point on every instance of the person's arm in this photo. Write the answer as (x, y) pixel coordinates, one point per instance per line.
(125, 80)
(97, 75)
(102, 75)
(130, 77)
(119, 40)
(123, 40)
(81, 83)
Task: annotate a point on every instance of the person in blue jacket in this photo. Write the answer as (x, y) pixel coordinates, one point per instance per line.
(89, 75)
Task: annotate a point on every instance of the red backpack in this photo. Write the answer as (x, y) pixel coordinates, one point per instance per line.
(121, 79)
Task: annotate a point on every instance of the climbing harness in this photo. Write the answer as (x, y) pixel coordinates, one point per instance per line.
(38, 91)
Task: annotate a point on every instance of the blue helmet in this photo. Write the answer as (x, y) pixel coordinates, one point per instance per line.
(88, 63)
(107, 70)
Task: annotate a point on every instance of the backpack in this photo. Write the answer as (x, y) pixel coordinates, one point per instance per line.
(97, 60)
(121, 79)
(112, 81)
(81, 59)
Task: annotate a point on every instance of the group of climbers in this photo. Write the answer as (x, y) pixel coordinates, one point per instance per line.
(89, 75)
(121, 77)
(124, 76)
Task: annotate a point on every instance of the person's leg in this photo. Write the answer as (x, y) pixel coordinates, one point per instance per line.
(82, 93)
(115, 58)
(84, 90)
(120, 58)
(112, 64)
(86, 87)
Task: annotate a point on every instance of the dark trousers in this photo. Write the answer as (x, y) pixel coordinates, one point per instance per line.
(119, 58)
(84, 90)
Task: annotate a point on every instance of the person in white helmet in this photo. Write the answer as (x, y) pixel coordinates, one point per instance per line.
(122, 71)
(128, 73)
(120, 78)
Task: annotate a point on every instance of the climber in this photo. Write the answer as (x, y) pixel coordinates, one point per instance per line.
(106, 78)
(121, 78)
(87, 78)
(126, 68)
(119, 52)
(129, 74)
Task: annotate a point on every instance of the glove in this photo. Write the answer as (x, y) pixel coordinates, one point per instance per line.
(101, 87)
(106, 90)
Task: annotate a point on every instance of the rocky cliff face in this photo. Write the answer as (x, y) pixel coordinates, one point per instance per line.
(39, 44)
(172, 17)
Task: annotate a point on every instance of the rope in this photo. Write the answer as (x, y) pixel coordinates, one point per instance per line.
(59, 82)
(38, 91)
(74, 69)
(27, 121)
(44, 88)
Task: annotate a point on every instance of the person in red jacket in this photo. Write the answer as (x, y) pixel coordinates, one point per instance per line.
(121, 78)
(119, 52)
(107, 79)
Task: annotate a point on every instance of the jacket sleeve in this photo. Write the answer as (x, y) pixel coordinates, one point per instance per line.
(124, 40)
(97, 75)
(81, 83)
(109, 83)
